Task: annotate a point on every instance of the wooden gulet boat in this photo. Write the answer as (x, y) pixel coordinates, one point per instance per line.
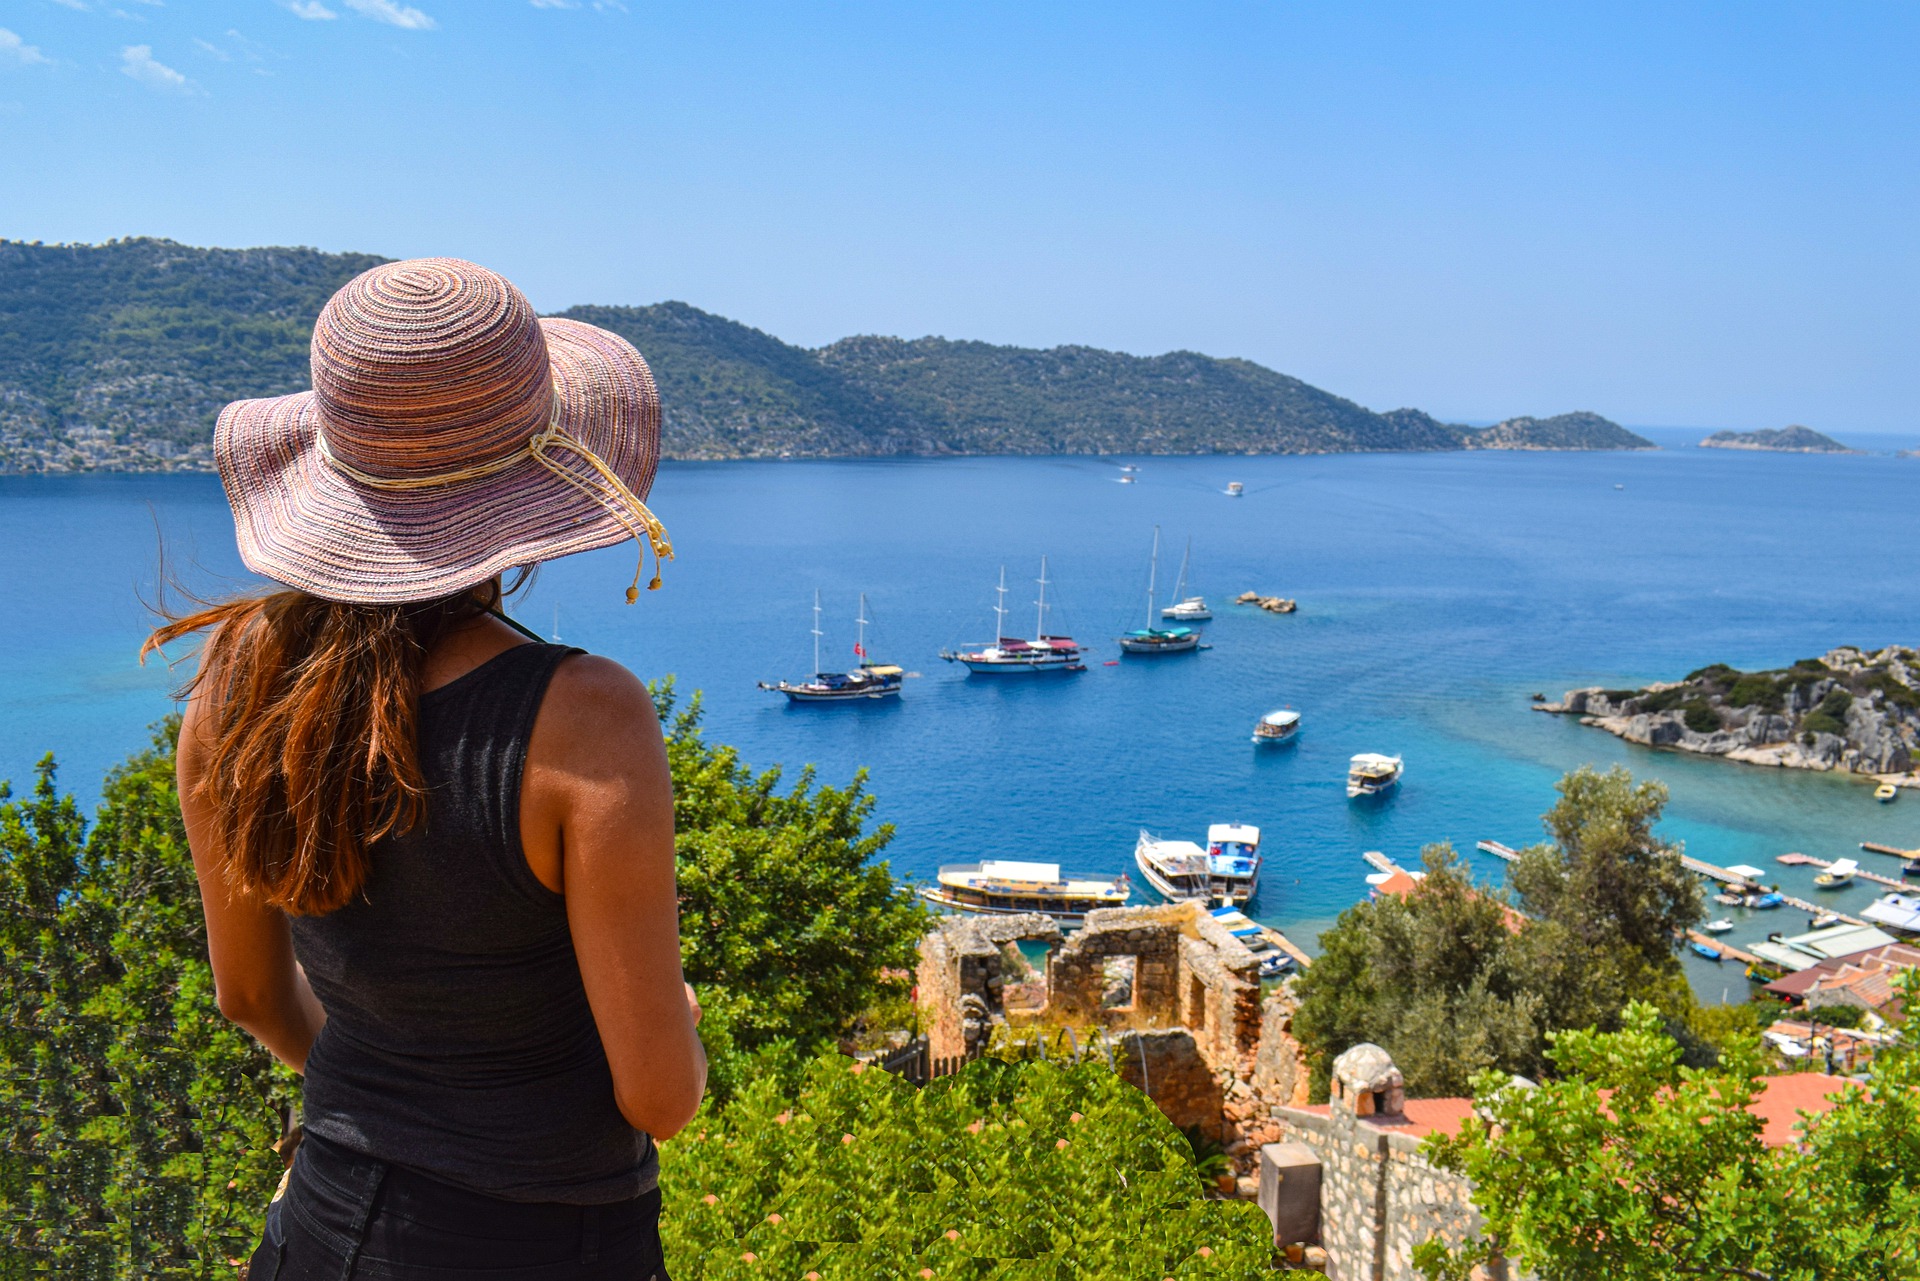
(1004, 887)
(869, 681)
(1044, 655)
(1156, 640)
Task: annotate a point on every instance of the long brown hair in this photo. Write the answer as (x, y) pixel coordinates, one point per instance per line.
(313, 734)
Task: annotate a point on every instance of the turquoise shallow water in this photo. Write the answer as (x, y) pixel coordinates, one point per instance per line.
(1436, 593)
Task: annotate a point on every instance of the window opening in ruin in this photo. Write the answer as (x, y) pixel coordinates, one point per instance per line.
(1026, 975)
(1119, 973)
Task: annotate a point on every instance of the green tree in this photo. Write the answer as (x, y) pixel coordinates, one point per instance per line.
(1634, 1167)
(788, 919)
(1026, 1169)
(1431, 975)
(1609, 901)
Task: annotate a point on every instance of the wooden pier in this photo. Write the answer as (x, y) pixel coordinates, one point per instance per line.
(1808, 860)
(1728, 951)
(1498, 850)
(1874, 847)
(1287, 945)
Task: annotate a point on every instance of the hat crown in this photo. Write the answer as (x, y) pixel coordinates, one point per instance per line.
(428, 364)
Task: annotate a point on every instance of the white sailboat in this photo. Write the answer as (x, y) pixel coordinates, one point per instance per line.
(869, 680)
(1158, 640)
(1185, 608)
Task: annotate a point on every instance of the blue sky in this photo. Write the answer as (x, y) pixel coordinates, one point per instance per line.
(1668, 213)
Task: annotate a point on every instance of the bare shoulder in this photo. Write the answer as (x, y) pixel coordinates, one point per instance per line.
(594, 706)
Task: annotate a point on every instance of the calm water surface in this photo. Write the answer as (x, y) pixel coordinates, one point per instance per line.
(1437, 592)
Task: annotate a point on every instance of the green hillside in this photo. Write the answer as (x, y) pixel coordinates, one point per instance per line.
(118, 356)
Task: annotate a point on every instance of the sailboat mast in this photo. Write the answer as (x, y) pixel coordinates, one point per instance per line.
(1040, 618)
(1180, 588)
(1153, 572)
(816, 632)
(1000, 608)
(860, 641)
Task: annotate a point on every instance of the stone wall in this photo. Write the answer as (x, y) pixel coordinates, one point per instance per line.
(962, 976)
(1167, 1065)
(1379, 1197)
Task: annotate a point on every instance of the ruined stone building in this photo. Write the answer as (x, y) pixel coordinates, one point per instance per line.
(1166, 991)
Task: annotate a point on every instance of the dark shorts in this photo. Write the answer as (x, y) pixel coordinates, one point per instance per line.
(345, 1216)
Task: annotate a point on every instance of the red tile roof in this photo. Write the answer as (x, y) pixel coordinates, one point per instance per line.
(1869, 974)
(1782, 1099)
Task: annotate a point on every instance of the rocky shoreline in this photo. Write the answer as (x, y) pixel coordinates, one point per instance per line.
(1851, 710)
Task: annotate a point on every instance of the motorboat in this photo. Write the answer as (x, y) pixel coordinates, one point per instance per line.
(1886, 793)
(1257, 938)
(1821, 920)
(1158, 640)
(1277, 727)
(1838, 873)
(1233, 863)
(1730, 900)
(1701, 949)
(868, 681)
(1179, 870)
(1911, 867)
(1370, 774)
(1044, 655)
(1720, 926)
(1235, 489)
(1000, 887)
(1764, 902)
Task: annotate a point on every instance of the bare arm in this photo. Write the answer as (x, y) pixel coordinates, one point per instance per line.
(258, 983)
(597, 822)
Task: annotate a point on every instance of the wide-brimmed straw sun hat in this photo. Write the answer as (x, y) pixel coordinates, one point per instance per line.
(450, 435)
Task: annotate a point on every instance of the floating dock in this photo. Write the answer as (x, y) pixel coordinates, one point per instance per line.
(1728, 951)
(1874, 847)
(1808, 860)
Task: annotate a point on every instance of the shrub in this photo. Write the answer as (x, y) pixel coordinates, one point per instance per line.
(1893, 691)
(1699, 716)
(1830, 716)
(1006, 1169)
(1757, 689)
(1717, 673)
(1665, 699)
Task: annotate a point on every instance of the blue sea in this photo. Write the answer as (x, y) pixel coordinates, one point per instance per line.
(1437, 593)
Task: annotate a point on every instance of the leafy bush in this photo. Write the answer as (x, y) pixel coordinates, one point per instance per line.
(1699, 716)
(1004, 1170)
(1757, 689)
(1893, 691)
(1716, 673)
(1830, 716)
(1665, 700)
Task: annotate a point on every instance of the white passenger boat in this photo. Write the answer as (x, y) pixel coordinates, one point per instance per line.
(1838, 873)
(1233, 863)
(1235, 489)
(1178, 870)
(1370, 774)
(1277, 727)
(1005, 887)
(1044, 655)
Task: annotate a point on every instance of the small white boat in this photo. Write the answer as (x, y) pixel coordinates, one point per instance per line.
(1257, 939)
(1720, 926)
(1824, 919)
(1233, 863)
(1235, 489)
(1886, 793)
(1837, 874)
(1370, 774)
(1730, 900)
(1277, 727)
(1179, 870)
(1000, 887)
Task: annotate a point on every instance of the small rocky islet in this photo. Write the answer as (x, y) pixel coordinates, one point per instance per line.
(1792, 439)
(1851, 710)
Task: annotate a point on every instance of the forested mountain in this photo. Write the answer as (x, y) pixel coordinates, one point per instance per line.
(118, 356)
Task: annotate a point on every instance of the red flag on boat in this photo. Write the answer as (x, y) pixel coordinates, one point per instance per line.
(859, 650)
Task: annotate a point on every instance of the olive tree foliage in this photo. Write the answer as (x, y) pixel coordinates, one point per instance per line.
(789, 921)
(136, 1124)
(1453, 979)
(1608, 900)
(1631, 1166)
(1435, 976)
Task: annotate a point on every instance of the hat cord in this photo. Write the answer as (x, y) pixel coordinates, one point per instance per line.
(622, 503)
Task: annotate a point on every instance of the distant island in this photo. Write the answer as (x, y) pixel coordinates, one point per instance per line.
(117, 357)
(1785, 440)
(1852, 710)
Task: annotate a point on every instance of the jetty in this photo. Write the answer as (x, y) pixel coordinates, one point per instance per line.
(1725, 877)
(1285, 944)
(1874, 847)
(1808, 860)
(1727, 950)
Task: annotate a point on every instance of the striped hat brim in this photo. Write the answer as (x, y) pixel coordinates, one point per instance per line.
(304, 522)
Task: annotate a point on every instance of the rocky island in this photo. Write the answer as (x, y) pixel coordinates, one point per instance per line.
(1793, 439)
(1852, 710)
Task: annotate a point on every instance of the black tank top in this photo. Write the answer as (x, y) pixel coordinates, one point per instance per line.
(458, 1039)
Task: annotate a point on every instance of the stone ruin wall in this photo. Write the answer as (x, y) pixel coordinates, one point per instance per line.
(1217, 1055)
